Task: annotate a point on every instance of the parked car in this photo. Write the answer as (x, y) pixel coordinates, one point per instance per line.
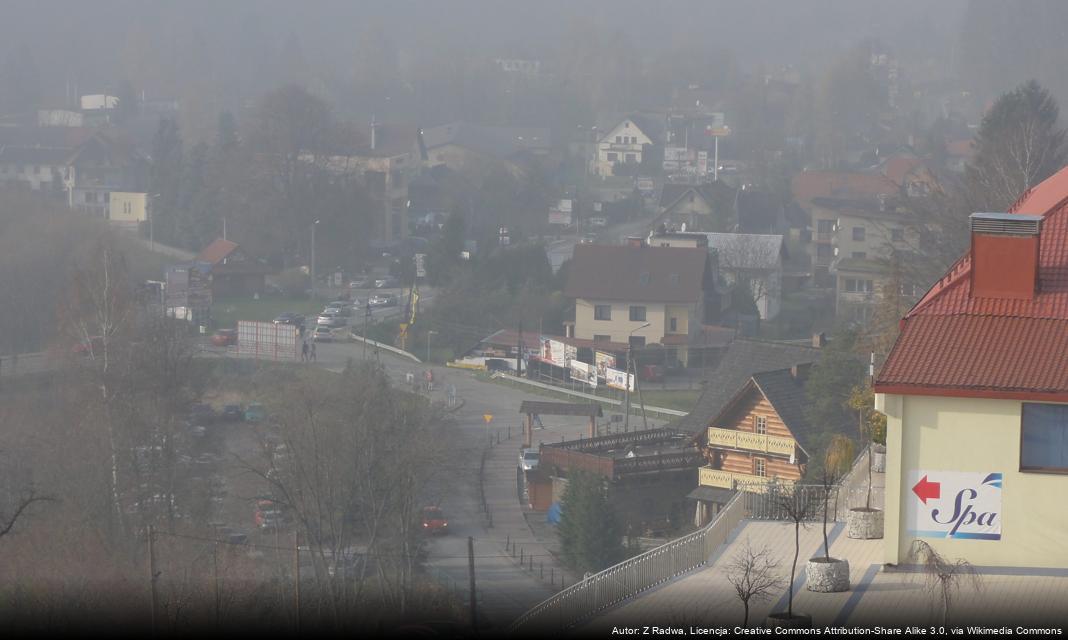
(362, 282)
(589, 238)
(323, 333)
(289, 317)
(434, 520)
(651, 373)
(528, 459)
(224, 337)
(233, 413)
(344, 310)
(383, 300)
(202, 414)
(86, 348)
(255, 412)
(332, 320)
(387, 283)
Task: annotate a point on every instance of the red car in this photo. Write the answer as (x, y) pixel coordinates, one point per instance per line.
(89, 347)
(224, 337)
(434, 520)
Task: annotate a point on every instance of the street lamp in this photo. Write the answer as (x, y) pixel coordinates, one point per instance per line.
(151, 219)
(314, 224)
(428, 334)
(626, 384)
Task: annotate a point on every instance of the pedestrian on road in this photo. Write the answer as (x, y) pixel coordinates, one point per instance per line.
(304, 352)
(313, 352)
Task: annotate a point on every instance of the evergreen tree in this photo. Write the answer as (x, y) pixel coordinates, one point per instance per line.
(166, 181)
(591, 536)
(1018, 145)
(829, 384)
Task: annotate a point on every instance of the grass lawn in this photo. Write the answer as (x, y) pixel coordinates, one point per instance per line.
(227, 311)
(680, 399)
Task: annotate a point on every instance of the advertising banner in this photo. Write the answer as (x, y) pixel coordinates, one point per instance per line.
(617, 379)
(584, 373)
(604, 362)
(556, 352)
(954, 504)
(268, 340)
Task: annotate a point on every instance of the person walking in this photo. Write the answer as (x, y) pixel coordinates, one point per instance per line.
(313, 351)
(304, 352)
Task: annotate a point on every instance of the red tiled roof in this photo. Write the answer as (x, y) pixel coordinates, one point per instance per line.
(898, 167)
(217, 251)
(837, 184)
(953, 342)
(961, 148)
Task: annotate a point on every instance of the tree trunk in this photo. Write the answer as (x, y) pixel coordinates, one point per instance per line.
(745, 620)
(867, 500)
(793, 567)
(826, 500)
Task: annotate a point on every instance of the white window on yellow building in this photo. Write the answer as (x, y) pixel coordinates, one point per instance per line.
(761, 424)
(760, 467)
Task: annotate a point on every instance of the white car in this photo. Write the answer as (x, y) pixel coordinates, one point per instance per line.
(383, 300)
(528, 459)
(599, 222)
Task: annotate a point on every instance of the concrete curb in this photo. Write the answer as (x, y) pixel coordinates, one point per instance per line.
(375, 343)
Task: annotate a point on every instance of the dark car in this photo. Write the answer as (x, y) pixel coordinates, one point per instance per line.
(233, 413)
(288, 317)
(202, 414)
(224, 337)
(255, 412)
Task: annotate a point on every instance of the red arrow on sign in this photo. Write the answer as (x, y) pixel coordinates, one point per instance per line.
(925, 489)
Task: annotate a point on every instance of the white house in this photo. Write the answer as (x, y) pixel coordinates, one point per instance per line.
(623, 143)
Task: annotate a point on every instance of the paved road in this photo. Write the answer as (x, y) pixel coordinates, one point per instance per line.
(505, 590)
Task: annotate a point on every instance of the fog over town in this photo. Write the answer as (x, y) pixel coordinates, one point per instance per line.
(497, 318)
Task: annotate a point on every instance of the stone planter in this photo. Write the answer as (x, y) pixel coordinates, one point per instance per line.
(827, 576)
(878, 458)
(864, 524)
(781, 619)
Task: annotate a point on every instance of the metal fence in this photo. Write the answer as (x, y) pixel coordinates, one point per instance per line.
(615, 584)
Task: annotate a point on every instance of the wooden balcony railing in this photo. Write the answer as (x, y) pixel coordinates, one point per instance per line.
(709, 477)
(749, 441)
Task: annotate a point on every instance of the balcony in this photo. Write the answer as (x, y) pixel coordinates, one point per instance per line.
(709, 477)
(749, 441)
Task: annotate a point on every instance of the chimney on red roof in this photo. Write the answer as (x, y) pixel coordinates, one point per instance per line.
(1005, 255)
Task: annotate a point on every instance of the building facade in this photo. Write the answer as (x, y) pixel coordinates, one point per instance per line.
(975, 392)
(623, 144)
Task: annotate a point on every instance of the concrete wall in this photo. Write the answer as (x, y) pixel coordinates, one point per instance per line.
(933, 433)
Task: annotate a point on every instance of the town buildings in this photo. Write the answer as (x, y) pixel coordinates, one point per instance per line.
(623, 143)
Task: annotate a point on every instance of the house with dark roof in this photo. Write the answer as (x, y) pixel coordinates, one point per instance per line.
(640, 295)
(703, 207)
(759, 435)
(233, 272)
(975, 393)
(467, 147)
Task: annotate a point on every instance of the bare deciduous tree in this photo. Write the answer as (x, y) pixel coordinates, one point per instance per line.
(942, 575)
(754, 576)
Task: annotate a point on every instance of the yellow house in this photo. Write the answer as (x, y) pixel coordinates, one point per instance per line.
(975, 392)
(640, 295)
(126, 206)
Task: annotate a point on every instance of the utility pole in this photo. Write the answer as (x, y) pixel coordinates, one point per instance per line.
(153, 575)
(296, 572)
(471, 578)
(519, 351)
(366, 321)
(626, 394)
(215, 572)
(312, 266)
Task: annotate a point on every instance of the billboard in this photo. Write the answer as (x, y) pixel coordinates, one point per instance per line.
(556, 352)
(603, 362)
(617, 379)
(561, 213)
(267, 340)
(584, 373)
(954, 504)
(188, 285)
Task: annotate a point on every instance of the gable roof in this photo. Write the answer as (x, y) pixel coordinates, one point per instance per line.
(217, 251)
(742, 359)
(838, 184)
(954, 344)
(671, 193)
(754, 251)
(898, 167)
(786, 394)
(637, 274)
(390, 139)
(760, 212)
(500, 142)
